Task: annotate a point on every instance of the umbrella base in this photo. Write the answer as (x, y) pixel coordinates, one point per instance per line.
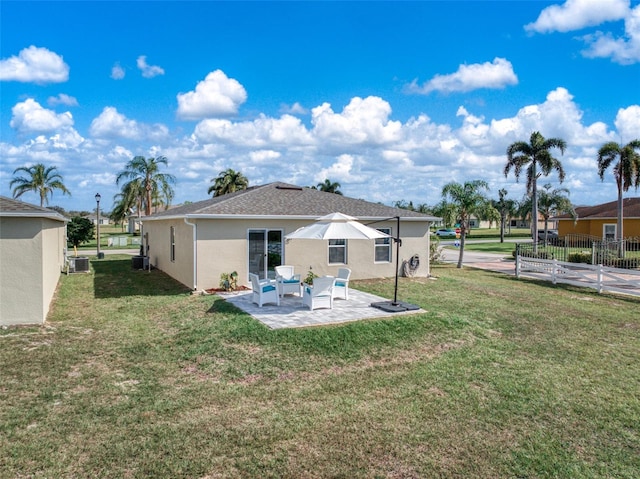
(395, 307)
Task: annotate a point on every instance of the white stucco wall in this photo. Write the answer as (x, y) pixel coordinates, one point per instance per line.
(31, 258)
(222, 247)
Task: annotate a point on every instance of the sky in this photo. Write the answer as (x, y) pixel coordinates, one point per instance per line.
(392, 100)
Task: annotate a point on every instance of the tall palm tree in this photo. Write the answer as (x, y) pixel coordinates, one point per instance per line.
(468, 199)
(536, 154)
(228, 181)
(626, 171)
(550, 203)
(39, 179)
(145, 180)
(506, 208)
(329, 187)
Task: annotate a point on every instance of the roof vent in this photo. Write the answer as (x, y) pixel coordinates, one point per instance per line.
(287, 187)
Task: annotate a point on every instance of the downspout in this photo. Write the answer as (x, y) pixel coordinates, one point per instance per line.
(195, 253)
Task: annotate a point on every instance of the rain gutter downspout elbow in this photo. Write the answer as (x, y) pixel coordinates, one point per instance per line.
(195, 253)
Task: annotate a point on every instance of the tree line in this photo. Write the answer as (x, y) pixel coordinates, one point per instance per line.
(144, 188)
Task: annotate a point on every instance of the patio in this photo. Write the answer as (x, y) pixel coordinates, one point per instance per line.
(292, 314)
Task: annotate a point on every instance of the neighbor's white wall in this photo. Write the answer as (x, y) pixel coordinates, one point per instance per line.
(31, 257)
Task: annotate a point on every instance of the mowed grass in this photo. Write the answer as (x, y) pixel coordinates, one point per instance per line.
(134, 377)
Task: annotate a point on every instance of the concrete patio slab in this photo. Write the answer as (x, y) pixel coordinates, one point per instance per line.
(293, 314)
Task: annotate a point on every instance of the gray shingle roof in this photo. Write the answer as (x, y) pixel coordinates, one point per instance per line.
(15, 208)
(282, 199)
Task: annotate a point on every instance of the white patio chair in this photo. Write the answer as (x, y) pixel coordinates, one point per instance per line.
(288, 281)
(341, 288)
(264, 290)
(320, 294)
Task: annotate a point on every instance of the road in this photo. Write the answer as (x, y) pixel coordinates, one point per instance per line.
(501, 263)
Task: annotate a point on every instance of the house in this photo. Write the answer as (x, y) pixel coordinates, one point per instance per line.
(245, 232)
(32, 255)
(103, 220)
(602, 220)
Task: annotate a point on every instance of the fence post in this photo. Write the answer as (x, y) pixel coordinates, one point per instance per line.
(554, 265)
(517, 260)
(599, 280)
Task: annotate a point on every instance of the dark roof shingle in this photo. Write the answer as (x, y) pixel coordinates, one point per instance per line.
(282, 199)
(11, 207)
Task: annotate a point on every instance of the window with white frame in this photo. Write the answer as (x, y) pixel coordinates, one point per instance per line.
(337, 251)
(383, 247)
(172, 251)
(609, 232)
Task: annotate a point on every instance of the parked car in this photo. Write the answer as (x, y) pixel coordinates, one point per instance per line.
(552, 236)
(445, 232)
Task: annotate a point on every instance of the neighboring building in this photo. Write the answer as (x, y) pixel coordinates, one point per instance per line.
(602, 220)
(103, 220)
(245, 232)
(32, 255)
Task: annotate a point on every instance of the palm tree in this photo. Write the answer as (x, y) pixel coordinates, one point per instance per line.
(329, 187)
(41, 179)
(536, 154)
(145, 180)
(468, 199)
(228, 181)
(626, 171)
(550, 203)
(506, 208)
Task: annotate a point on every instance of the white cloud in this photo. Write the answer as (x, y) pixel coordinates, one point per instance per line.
(215, 96)
(30, 116)
(494, 75)
(262, 132)
(577, 14)
(111, 124)
(625, 51)
(117, 72)
(628, 123)
(34, 65)
(295, 109)
(148, 71)
(362, 121)
(62, 99)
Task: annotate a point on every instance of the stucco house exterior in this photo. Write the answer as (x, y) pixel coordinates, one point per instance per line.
(245, 232)
(602, 220)
(32, 255)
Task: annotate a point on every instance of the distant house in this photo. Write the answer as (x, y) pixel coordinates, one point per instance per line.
(245, 232)
(602, 220)
(103, 220)
(32, 254)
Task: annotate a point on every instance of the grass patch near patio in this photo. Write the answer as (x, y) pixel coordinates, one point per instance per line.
(132, 376)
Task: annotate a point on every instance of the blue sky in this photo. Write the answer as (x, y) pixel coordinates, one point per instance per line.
(390, 99)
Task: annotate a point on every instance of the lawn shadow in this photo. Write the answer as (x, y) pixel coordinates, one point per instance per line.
(115, 278)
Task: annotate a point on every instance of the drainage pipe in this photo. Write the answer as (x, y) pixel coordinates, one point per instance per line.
(195, 253)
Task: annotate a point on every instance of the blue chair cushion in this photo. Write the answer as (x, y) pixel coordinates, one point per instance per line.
(341, 283)
(268, 287)
(290, 281)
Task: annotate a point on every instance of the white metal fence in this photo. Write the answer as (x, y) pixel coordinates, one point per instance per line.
(599, 277)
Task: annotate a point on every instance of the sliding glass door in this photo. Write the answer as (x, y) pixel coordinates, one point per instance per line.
(265, 252)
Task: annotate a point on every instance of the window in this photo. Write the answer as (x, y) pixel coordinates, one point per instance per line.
(337, 251)
(172, 232)
(609, 232)
(383, 247)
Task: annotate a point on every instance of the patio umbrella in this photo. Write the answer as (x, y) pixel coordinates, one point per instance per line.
(341, 226)
(336, 226)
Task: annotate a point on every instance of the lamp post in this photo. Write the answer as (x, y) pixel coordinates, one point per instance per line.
(97, 197)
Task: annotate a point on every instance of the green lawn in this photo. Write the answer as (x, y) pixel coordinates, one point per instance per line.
(134, 377)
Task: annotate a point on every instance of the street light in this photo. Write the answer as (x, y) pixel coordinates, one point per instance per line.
(97, 197)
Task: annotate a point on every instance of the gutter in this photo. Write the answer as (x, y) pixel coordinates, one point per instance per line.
(195, 253)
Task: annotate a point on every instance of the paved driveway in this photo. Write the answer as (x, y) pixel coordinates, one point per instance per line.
(475, 259)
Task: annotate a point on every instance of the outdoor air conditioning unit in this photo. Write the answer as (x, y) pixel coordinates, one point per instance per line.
(79, 264)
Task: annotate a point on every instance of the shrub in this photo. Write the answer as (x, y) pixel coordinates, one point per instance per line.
(579, 258)
(229, 281)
